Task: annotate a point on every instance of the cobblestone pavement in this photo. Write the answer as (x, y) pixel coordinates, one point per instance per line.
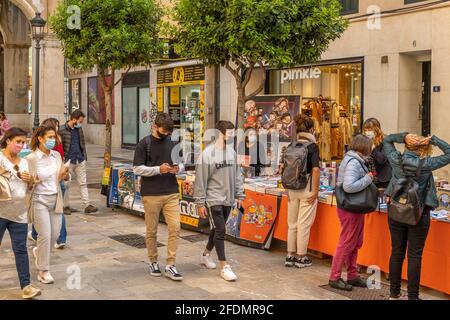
(112, 270)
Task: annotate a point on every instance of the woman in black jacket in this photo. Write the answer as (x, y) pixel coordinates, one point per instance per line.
(378, 162)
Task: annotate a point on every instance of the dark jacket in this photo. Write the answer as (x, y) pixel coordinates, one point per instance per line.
(382, 167)
(410, 160)
(66, 136)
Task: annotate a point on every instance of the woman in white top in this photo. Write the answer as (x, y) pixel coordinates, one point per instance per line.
(13, 211)
(46, 206)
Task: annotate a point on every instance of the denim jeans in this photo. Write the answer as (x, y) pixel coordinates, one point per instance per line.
(63, 233)
(18, 234)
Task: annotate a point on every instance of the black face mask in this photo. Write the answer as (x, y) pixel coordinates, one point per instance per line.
(162, 136)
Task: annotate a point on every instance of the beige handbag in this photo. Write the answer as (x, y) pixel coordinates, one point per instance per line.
(5, 189)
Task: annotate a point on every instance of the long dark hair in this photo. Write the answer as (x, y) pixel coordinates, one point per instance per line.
(11, 134)
(39, 132)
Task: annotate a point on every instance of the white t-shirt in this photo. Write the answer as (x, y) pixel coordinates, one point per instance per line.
(16, 209)
(46, 171)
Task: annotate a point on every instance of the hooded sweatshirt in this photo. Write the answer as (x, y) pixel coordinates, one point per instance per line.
(218, 177)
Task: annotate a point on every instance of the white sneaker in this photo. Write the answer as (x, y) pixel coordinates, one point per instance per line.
(228, 274)
(47, 279)
(60, 246)
(30, 237)
(207, 261)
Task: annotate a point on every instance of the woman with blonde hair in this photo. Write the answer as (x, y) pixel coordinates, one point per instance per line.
(417, 163)
(378, 162)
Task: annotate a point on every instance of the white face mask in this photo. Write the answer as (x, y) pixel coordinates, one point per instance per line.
(252, 139)
(370, 134)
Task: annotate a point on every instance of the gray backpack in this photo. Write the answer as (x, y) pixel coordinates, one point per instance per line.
(294, 175)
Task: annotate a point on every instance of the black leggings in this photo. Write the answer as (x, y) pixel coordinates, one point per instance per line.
(412, 239)
(218, 216)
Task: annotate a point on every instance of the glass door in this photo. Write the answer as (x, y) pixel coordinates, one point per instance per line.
(144, 113)
(129, 112)
(191, 123)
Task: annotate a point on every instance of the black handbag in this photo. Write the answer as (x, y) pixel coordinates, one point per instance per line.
(406, 206)
(365, 201)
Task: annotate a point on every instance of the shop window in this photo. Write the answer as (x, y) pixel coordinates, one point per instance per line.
(74, 95)
(331, 95)
(349, 6)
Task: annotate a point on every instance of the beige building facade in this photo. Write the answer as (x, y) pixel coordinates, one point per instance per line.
(18, 59)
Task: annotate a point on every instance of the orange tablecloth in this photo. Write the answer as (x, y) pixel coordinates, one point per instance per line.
(376, 248)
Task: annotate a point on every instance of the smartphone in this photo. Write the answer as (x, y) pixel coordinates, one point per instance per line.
(67, 164)
(174, 164)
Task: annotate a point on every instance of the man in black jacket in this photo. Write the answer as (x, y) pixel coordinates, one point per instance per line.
(159, 190)
(75, 150)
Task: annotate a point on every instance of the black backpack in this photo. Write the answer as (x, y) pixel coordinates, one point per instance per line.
(294, 175)
(406, 206)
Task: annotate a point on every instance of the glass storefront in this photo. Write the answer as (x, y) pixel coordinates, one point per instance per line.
(331, 95)
(136, 110)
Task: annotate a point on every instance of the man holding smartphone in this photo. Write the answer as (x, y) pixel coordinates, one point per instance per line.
(159, 191)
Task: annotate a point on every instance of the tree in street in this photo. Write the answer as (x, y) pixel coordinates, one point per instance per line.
(109, 35)
(246, 34)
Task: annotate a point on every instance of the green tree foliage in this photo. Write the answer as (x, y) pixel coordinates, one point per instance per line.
(246, 34)
(110, 35)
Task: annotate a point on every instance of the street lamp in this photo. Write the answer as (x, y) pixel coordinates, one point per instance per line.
(37, 28)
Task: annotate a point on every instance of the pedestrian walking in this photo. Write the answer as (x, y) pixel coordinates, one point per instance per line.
(45, 200)
(218, 187)
(159, 190)
(415, 163)
(301, 178)
(62, 239)
(15, 181)
(353, 177)
(74, 146)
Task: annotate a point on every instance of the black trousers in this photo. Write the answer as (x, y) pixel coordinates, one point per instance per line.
(218, 216)
(412, 238)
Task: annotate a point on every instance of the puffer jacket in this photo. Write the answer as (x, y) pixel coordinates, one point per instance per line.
(353, 173)
(66, 137)
(411, 161)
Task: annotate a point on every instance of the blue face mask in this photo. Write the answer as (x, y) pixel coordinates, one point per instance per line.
(50, 144)
(78, 126)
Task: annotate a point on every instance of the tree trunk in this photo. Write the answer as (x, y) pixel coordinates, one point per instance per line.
(108, 123)
(240, 107)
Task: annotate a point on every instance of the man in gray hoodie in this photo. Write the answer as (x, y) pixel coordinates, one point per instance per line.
(218, 187)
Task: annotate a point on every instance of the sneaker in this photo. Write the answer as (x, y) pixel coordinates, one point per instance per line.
(172, 273)
(30, 236)
(47, 279)
(303, 262)
(358, 282)
(395, 297)
(207, 261)
(290, 261)
(90, 209)
(228, 274)
(60, 246)
(154, 269)
(340, 285)
(29, 292)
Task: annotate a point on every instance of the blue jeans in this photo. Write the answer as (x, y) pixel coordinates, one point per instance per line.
(63, 233)
(18, 234)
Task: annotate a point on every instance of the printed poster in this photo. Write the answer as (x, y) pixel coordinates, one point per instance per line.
(96, 101)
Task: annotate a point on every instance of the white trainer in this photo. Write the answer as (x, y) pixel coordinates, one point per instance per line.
(47, 279)
(207, 261)
(228, 274)
(60, 246)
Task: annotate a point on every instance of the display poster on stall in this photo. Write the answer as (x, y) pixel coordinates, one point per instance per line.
(125, 186)
(257, 221)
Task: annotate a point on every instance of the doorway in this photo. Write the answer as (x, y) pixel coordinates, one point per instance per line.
(425, 108)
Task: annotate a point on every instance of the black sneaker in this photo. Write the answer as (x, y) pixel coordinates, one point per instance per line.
(154, 270)
(303, 262)
(358, 282)
(290, 261)
(340, 285)
(172, 273)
